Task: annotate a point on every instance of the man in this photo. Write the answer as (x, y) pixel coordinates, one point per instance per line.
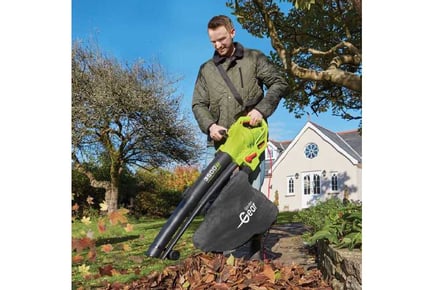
(216, 107)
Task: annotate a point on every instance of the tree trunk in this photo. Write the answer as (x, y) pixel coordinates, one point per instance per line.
(111, 187)
(111, 197)
(93, 181)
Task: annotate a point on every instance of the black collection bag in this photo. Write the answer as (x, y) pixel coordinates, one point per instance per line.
(237, 214)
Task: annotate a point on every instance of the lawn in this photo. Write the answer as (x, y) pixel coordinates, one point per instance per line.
(113, 250)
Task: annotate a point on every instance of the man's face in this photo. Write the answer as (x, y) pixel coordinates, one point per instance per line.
(222, 40)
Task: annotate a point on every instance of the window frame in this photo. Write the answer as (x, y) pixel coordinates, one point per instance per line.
(311, 150)
(316, 184)
(334, 183)
(290, 178)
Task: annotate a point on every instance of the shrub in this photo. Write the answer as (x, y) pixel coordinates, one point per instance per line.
(157, 204)
(276, 198)
(338, 223)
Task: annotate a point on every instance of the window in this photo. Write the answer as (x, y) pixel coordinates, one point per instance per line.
(290, 185)
(334, 182)
(306, 184)
(311, 150)
(316, 184)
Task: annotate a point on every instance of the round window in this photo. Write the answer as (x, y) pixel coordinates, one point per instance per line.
(311, 150)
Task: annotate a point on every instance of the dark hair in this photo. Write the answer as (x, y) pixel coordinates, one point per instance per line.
(220, 20)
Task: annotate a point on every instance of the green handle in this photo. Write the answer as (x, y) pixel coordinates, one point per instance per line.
(246, 143)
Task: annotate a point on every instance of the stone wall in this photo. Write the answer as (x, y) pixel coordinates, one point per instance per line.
(342, 267)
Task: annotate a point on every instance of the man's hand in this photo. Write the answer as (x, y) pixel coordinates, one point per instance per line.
(215, 132)
(255, 117)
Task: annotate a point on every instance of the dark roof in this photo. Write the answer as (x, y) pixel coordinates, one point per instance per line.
(350, 141)
(354, 139)
(281, 146)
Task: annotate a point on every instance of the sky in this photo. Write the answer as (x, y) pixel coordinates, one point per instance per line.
(175, 34)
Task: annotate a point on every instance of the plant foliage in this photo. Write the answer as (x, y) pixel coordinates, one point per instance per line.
(338, 223)
(318, 44)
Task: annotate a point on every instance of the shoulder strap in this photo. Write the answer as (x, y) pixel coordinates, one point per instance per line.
(230, 85)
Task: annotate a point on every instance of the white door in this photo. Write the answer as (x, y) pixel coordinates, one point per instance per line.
(310, 188)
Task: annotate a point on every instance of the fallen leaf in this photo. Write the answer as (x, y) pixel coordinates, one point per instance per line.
(89, 200)
(225, 273)
(77, 259)
(221, 286)
(107, 248)
(75, 207)
(103, 206)
(205, 271)
(106, 270)
(230, 260)
(118, 216)
(269, 272)
(82, 243)
(209, 278)
(89, 234)
(115, 272)
(126, 247)
(84, 270)
(86, 220)
(186, 284)
(91, 256)
(101, 226)
(128, 228)
(303, 281)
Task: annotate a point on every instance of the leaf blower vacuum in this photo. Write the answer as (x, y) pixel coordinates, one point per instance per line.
(238, 212)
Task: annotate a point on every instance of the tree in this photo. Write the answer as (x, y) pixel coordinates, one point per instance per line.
(319, 46)
(182, 177)
(128, 112)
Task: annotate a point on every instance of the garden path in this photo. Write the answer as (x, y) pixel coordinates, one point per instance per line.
(284, 244)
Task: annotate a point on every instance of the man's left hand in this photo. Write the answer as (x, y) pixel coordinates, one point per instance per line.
(255, 117)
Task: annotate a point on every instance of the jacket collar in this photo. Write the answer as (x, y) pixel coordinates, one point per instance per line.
(239, 53)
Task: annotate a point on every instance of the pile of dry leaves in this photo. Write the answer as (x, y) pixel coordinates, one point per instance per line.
(215, 271)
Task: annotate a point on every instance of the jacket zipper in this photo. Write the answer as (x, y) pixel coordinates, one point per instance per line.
(241, 78)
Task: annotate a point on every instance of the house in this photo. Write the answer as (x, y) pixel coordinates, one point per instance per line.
(316, 165)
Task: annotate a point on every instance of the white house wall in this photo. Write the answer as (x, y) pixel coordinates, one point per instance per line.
(328, 159)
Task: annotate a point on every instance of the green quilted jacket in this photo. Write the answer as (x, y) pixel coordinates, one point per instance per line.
(249, 70)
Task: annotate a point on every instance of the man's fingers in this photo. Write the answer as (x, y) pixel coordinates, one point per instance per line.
(255, 117)
(218, 133)
(254, 122)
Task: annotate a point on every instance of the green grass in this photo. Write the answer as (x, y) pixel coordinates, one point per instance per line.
(130, 264)
(287, 217)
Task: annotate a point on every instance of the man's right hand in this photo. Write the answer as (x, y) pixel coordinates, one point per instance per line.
(215, 132)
